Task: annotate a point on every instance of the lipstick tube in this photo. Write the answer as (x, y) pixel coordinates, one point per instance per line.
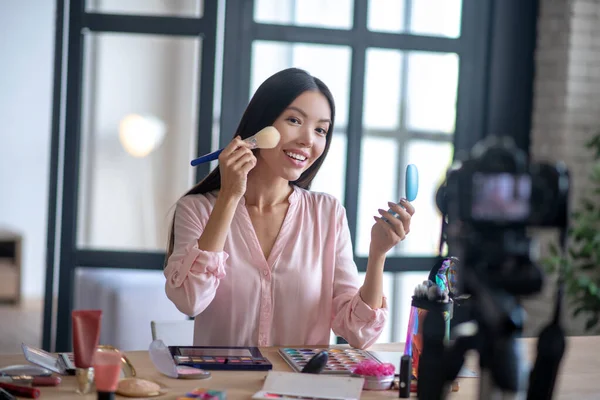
(21, 391)
(32, 380)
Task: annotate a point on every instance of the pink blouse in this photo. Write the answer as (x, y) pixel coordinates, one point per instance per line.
(308, 286)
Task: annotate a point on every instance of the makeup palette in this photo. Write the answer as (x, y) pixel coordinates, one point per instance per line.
(221, 358)
(342, 361)
(48, 361)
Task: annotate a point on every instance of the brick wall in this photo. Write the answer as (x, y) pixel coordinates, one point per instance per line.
(566, 107)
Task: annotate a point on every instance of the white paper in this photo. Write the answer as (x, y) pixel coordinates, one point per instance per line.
(296, 385)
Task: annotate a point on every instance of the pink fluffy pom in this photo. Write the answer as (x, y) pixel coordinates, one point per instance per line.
(373, 368)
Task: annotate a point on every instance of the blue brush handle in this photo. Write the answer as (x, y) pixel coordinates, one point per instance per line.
(208, 157)
(411, 185)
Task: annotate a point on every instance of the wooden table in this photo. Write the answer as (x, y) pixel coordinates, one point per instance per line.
(579, 377)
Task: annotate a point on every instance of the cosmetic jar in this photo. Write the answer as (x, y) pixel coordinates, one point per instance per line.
(376, 382)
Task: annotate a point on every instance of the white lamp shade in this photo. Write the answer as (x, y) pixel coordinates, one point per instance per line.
(141, 134)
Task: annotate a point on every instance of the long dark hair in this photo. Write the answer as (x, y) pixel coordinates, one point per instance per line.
(272, 97)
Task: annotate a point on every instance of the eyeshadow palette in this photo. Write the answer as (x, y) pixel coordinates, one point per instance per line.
(44, 359)
(342, 361)
(221, 358)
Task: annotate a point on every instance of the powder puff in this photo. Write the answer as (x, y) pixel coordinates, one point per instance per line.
(373, 368)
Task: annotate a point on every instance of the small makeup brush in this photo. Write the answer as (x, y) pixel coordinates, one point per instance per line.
(266, 138)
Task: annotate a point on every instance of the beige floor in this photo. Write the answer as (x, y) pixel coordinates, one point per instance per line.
(19, 324)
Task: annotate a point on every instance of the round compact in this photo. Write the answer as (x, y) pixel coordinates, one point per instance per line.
(29, 370)
(164, 363)
(185, 372)
(136, 387)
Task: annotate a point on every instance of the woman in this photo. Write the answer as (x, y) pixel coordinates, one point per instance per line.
(258, 259)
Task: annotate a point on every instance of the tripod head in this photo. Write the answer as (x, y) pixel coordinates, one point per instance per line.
(489, 200)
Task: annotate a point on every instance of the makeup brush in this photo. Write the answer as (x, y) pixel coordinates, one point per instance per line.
(266, 138)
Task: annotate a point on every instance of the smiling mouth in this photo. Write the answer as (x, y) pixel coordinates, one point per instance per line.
(295, 156)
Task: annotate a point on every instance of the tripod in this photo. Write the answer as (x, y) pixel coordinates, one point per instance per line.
(497, 325)
(491, 196)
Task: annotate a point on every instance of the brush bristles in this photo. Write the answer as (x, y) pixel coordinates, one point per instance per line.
(267, 138)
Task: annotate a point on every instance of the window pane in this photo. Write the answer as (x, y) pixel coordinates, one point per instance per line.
(271, 57)
(431, 81)
(386, 15)
(419, 17)
(382, 89)
(377, 185)
(184, 8)
(138, 135)
(331, 64)
(317, 13)
(432, 160)
(436, 17)
(431, 95)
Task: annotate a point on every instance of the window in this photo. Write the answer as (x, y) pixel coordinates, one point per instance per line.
(132, 122)
(135, 105)
(408, 118)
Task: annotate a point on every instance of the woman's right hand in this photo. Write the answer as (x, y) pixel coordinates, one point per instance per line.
(235, 161)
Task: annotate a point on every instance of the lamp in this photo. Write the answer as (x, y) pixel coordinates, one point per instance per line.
(141, 134)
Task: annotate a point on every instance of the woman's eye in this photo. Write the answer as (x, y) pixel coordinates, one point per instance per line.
(321, 131)
(294, 120)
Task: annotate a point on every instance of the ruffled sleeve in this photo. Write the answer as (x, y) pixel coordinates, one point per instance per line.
(353, 319)
(192, 274)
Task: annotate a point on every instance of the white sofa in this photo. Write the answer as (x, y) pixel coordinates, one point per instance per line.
(129, 300)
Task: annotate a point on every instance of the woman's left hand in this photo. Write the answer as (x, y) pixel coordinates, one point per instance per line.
(387, 234)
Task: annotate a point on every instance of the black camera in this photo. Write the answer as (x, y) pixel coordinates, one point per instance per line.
(490, 197)
(495, 186)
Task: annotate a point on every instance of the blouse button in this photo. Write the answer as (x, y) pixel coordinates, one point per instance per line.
(265, 272)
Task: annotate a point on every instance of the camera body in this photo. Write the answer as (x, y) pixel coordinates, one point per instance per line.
(496, 188)
(490, 198)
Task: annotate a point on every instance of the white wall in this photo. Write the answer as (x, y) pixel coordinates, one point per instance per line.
(26, 50)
